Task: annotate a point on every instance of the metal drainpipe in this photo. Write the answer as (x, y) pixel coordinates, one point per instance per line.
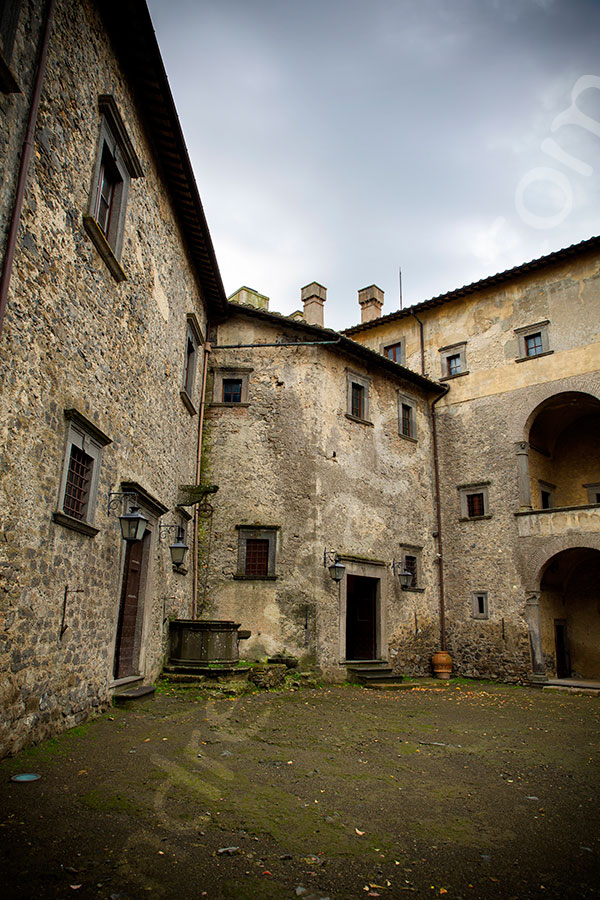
(422, 343)
(436, 472)
(11, 241)
(207, 349)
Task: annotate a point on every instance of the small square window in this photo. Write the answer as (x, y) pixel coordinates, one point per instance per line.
(116, 165)
(547, 495)
(407, 421)
(593, 492)
(231, 386)
(257, 549)
(395, 351)
(479, 602)
(474, 502)
(357, 397)
(81, 470)
(533, 340)
(410, 559)
(453, 360)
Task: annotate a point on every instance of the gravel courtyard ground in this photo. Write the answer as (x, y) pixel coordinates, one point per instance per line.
(468, 791)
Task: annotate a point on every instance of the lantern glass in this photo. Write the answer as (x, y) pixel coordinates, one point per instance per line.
(133, 525)
(405, 578)
(337, 571)
(178, 551)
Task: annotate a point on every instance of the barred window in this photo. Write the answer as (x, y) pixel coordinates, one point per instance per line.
(77, 487)
(257, 549)
(357, 400)
(475, 505)
(81, 470)
(410, 564)
(257, 557)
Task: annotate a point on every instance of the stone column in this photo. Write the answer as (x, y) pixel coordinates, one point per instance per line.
(522, 448)
(532, 616)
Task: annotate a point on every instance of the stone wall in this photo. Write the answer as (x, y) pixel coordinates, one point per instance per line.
(75, 338)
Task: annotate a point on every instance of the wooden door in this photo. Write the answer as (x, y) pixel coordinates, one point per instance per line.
(563, 660)
(129, 625)
(361, 617)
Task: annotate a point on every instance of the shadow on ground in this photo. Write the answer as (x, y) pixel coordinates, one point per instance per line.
(468, 791)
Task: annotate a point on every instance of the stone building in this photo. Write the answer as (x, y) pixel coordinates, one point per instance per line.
(518, 436)
(108, 279)
(321, 449)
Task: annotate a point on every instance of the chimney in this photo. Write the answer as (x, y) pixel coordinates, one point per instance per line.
(249, 297)
(371, 301)
(313, 297)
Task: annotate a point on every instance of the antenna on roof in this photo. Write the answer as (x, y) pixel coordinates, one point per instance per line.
(400, 284)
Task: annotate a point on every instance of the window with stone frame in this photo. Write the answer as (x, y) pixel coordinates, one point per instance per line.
(453, 360)
(593, 492)
(257, 552)
(357, 397)
(81, 470)
(474, 501)
(479, 605)
(533, 340)
(407, 418)
(231, 385)
(411, 561)
(116, 164)
(547, 494)
(193, 341)
(395, 351)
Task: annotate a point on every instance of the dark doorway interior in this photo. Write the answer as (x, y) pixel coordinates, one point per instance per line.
(563, 662)
(361, 617)
(130, 620)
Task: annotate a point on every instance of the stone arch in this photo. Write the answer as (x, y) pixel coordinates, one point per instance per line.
(557, 457)
(569, 611)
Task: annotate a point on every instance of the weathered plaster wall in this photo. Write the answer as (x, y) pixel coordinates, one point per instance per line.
(74, 338)
(292, 458)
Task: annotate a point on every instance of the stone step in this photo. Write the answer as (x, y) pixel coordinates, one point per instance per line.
(133, 693)
(400, 685)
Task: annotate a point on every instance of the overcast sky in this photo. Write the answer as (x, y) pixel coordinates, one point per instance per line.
(338, 140)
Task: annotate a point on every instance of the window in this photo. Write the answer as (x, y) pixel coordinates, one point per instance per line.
(407, 422)
(453, 360)
(257, 548)
(395, 351)
(410, 560)
(474, 501)
(116, 165)
(547, 495)
(533, 340)
(193, 339)
(9, 19)
(479, 601)
(232, 390)
(79, 482)
(357, 397)
(231, 386)
(593, 492)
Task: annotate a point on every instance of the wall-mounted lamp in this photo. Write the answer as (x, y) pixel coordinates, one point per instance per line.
(133, 524)
(405, 577)
(336, 568)
(178, 549)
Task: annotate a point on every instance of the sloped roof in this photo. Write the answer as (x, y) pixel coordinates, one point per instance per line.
(559, 256)
(337, 342)
(129, 26)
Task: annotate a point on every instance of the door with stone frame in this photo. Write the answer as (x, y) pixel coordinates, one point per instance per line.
(129, 626)
(361, 617)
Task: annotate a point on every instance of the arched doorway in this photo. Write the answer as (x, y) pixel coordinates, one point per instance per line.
(563, 436)
(570, 613)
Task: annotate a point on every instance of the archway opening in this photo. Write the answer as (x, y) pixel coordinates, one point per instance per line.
(570, 614)
(564, 467)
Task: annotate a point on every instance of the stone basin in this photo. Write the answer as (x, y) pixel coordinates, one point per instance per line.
(201, 642)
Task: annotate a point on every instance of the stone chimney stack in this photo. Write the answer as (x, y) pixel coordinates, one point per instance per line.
(313, 297)
(371, 301)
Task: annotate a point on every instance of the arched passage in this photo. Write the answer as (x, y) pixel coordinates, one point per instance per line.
(569, 607)
(563, 436)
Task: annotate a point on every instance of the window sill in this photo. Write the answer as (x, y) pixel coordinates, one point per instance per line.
(481, 618)
(408, 437)
(360, 421)
(473, 518)
(187, 402)
(457, 375)
(215, 403)
(74, 524)
(104, 249)
(412, 590)
(255, 577)
(534, 356)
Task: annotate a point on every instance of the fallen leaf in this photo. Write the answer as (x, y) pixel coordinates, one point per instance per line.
(82, 772)
(147, 739)
(359, 832)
